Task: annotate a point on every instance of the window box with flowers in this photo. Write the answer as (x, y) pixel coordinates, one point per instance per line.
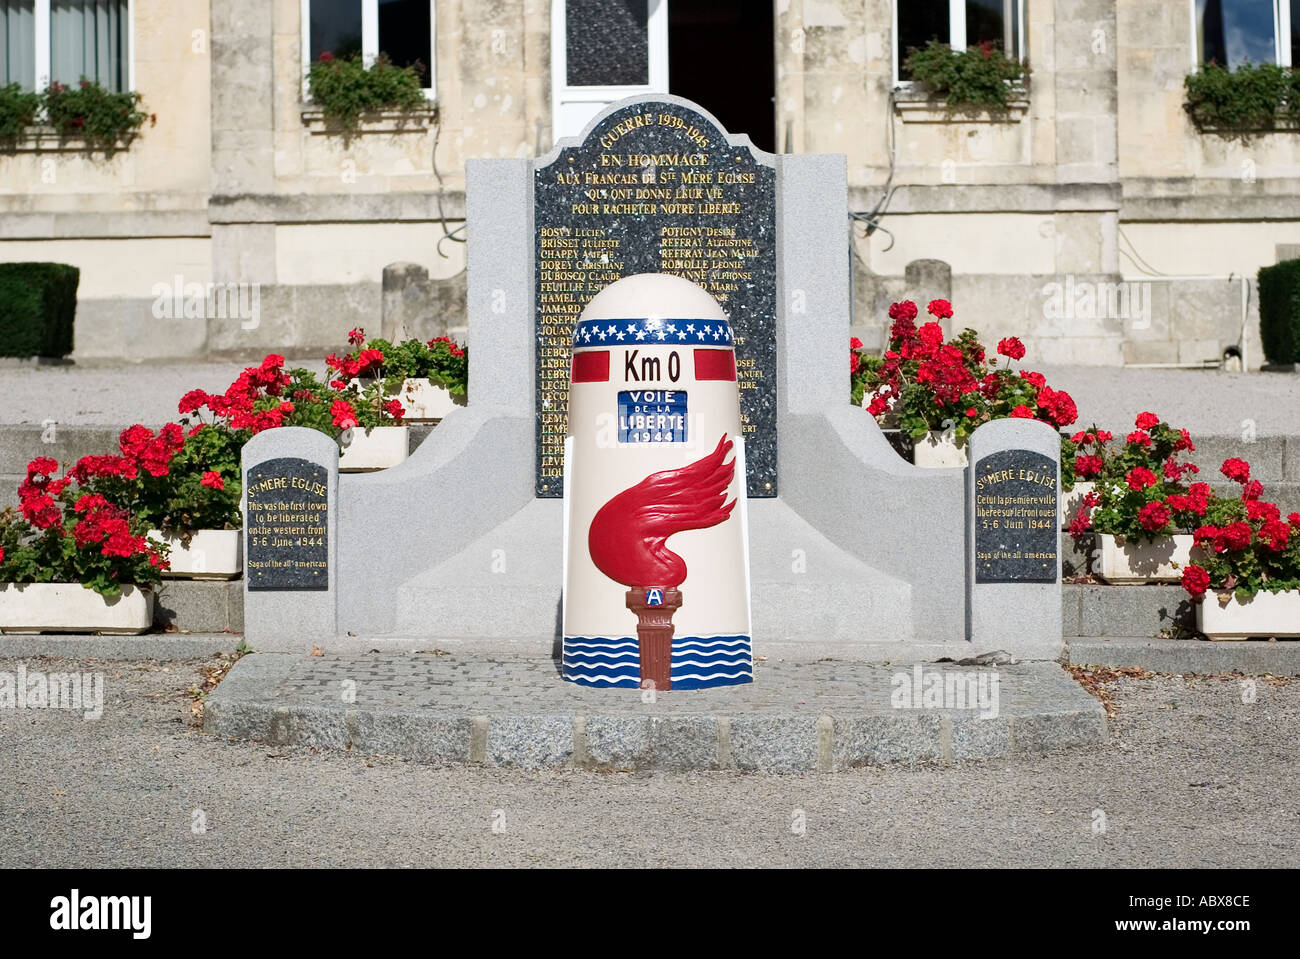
(1250, 560)
(1140, 508)
(71, 561)
(980, 84)
(941, 391)
(345, 96)
(86, 118)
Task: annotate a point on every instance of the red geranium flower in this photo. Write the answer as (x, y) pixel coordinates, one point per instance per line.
(1140, 478)
(1139, 437)
(1196, 581)
(1023, 412)
(212, 480)
(1236, 469)
(1154, 517)
(192, 400)
(356, 336)
(1233, 536)
(1274, 535)
(1086, 466)
(905, 310)
(1036, 379)
(940, 308)
(345, 417)
(1146, 421)
(1012, 348)
(394, 409)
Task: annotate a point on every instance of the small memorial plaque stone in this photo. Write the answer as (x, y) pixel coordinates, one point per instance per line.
(1014, 585)
(1016, 518)
(287, 525)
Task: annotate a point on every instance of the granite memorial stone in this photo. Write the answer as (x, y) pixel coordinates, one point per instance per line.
(286, 525)
(290, 518)
(1014, 560)
(656, 187)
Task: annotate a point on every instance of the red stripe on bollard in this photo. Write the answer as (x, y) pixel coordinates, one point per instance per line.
(592, 367)
(715, 365)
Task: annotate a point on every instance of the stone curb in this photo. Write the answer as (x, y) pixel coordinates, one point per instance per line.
(773, 736)
(149, 646)
(1188, 656)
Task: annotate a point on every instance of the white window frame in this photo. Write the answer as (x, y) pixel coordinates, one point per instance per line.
(370, 41)
(957, 32)
(595, 98)
(41, 31)
(1281, 33)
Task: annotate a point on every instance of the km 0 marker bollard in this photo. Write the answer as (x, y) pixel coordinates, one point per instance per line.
(654, 449)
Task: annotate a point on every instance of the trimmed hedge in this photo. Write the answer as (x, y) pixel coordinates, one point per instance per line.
(1279, 311)
(38, 304)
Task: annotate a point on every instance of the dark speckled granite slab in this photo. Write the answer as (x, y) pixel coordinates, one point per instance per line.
(287, 525)
(704, 209)
(1016, 518)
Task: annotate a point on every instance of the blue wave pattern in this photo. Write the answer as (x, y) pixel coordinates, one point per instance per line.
(699, 662)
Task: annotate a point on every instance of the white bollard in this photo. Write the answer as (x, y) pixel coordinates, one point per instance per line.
(654, 451)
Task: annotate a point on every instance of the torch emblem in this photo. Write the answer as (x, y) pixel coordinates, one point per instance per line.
(628, 543)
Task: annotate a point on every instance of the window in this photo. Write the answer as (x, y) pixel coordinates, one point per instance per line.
(64, 40)
(958, 23)
(603, 51)
(402, 30)
(1233, 32)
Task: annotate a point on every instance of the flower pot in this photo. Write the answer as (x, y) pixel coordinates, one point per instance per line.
(423, 400)
(375, 449)
(1162, 560)
(72, 608)
(1072, 500)
(1264, 614)
(211, 554)
(936, 451)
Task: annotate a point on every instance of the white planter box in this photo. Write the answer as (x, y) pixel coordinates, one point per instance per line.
(378, 449)
(211, 554)
(936, 452)
(72, 608)
(423, 401)
(1265, 614)
(1071, 501)
(1137, 561)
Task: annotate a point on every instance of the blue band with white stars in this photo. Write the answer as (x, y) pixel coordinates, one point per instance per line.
(652, 330)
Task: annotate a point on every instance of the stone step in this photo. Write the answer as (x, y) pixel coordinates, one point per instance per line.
(1187, 656)
(823, 717)
(1143, 610)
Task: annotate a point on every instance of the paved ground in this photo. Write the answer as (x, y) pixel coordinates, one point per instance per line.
(516, 711)
(1204, 401)
(1192, 777)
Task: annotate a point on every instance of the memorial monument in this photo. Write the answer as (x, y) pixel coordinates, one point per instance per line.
(854, 553)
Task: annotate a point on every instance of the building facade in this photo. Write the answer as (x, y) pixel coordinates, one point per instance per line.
(1092, 218)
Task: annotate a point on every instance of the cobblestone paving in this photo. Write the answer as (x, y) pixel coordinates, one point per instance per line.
(518, 712)
(521, 685)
